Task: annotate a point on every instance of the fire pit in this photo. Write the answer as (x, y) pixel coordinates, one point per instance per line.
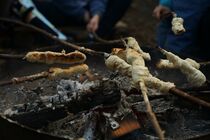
(99, 104)
(67, 108)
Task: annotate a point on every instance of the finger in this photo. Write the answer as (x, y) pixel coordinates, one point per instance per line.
(95, 27)
(89, 28)
(156, 13)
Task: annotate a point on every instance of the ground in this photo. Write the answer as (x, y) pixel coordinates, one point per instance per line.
(141, 23)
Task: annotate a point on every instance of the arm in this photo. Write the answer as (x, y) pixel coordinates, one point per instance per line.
(162, 9)
(73, 8)
(166, 3)
(97, 8)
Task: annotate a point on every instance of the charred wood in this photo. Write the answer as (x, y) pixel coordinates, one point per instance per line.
(40, 113)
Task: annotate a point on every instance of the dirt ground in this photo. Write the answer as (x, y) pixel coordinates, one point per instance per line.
(141, 23)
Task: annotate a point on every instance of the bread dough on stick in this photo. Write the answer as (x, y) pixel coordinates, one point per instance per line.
(187, 67)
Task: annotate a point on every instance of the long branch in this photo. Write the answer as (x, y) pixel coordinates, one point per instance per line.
(52, 73)
(11, 56)
(99, 39)
(52, 37)
(150, 113)
(17, 80)
(191, 98)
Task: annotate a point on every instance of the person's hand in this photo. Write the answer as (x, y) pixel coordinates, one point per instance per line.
(160, 11)
(93, 23)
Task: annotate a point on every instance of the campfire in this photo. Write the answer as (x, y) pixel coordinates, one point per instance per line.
(101, 95)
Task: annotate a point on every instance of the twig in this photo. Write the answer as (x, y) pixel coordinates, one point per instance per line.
(96, 45)
(193, 99)
(52, 73)
(18, 80)
(197, 89)
(161, 50)
(99, 39)
(205, 63)
(150, 113)
(47, 48)
(11, 56)
(52, 37)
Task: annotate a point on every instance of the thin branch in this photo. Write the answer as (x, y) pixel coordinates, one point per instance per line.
(52, 37)
(197, 89)
(93, 45)
(205, 63)
(52, 73)
(191, 98)
(150, 113)
(99, 39)
(17, 80)
(11, 56)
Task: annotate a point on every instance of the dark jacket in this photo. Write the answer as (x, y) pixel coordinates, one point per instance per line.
(191, 11)
(77, 8)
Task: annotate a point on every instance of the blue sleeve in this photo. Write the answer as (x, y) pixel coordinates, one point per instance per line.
(71, 7)
(166, 3)
(98, 7)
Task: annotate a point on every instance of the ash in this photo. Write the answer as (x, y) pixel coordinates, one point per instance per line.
(68, 90)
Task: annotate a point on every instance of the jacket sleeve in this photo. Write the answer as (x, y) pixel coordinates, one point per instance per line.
(166, 3)
(98, 7)
(70, 7)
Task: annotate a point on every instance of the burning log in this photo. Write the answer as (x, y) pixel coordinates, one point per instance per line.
(91, 127)
(127, 125)
(72, 97)
(82, 125)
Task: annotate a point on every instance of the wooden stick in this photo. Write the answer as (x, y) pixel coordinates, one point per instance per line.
(201, 63)
(53, 73)
(93, 45)
(191, 98)
(197, 89)
(99, 39)
(11, 56)
(52, 37)
(150, 113)
(205, 63)
(17, 80)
